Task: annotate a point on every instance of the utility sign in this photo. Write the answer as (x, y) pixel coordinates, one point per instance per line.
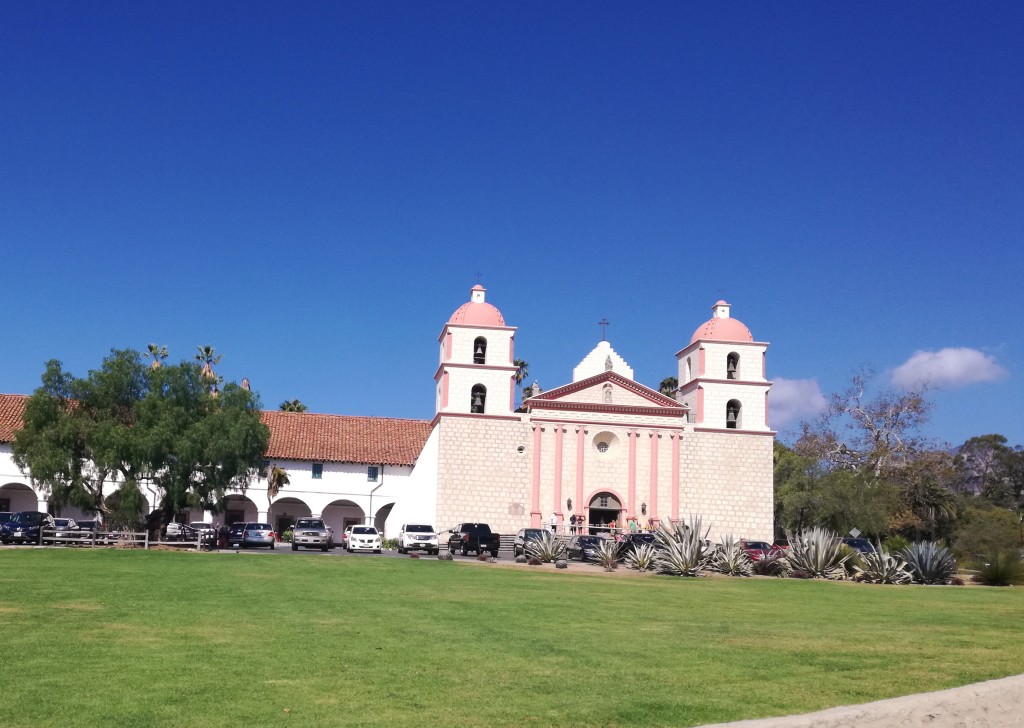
(855, 532)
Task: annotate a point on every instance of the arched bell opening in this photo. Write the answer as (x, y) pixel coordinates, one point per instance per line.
(478, 399)
(732, 414)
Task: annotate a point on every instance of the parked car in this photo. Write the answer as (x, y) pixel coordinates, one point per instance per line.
(780, 545)
(524, 537)
(87, 530)
(258, 534)
(417, 537)
(756, 549)
(65, 528)
(629, 541)
(476, 537)
(312, 533)
(364, 538)
(180, 532)
(5, 516)
(235, 533)
(584, 547)
(24, 527)
(860, 544)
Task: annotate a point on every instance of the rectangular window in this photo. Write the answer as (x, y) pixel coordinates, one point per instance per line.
(318, 471)
(372, 473)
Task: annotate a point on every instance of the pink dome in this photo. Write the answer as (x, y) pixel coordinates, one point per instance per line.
(721, 327)
(477, 312)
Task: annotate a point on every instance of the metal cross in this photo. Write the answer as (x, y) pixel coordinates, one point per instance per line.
(478, 277)
(603, 323)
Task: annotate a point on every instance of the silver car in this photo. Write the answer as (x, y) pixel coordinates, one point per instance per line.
(312, 533)
(258, 534)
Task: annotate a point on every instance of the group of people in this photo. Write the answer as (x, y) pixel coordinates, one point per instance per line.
(578, 524)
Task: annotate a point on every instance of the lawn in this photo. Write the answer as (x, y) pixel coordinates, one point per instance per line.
(127, 638)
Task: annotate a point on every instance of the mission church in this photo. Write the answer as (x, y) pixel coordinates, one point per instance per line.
(602, 447)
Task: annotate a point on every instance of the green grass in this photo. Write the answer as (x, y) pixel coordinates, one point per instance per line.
(118, 638)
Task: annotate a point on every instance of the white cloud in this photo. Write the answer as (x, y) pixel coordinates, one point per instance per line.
(792, 400)
(947, 368)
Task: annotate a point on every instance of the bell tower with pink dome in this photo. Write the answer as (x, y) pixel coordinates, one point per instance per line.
(722, 375)
(475, 374)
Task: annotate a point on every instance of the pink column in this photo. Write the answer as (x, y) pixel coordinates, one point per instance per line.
(652, 507)
(559, 430)
(675, 477)
(631, 506)
(535, 499)
(580, 506)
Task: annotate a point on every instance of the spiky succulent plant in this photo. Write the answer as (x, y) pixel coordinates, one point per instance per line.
(818, 553)
(642, 557)
(772, 563)
(546, 547)
(731, 559)
(929, 563)
(686, 551)
(881, 567)
(608, 553)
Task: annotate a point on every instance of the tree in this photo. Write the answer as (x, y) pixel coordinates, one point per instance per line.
(522, 371)
(160, 428)
(207, 357)
(293, 406)
(882, 433)
(157, 353)
(987, 466)
(668, 386)
(277, 478)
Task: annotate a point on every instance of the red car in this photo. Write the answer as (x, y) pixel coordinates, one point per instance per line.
(756, 549)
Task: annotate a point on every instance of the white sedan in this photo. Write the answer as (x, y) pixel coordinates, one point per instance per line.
(364, 538)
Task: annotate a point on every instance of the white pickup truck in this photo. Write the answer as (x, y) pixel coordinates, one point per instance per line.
(417, 537)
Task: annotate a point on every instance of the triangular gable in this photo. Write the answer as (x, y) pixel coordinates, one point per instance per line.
(591, 391)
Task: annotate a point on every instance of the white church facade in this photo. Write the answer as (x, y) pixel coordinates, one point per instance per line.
(602, 447)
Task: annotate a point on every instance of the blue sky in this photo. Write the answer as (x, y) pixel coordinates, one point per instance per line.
(312, 188)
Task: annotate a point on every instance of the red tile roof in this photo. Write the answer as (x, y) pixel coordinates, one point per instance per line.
(304, 436)
(341, 439)
(12, 410)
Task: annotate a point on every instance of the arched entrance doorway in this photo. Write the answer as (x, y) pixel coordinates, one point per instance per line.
(16, 497)
(239, 509)
(605, 508)
(382, 517)
(283, 513)
(341, 514)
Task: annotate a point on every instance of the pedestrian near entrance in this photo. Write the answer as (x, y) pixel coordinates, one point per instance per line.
(554, 522)
(572, 524)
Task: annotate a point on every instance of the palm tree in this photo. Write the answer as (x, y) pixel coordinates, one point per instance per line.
(277, 478)
(522, 371)
(157, 354)
(207, 357)
(668, 386)
(293, 406)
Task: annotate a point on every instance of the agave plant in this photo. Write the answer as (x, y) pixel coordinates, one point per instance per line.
(642, 557)
(608, 554)
(546, 547)
(730, 559)
(686, 548)
(818, 553)
(929, 563)
(771, 563)
(881, 567)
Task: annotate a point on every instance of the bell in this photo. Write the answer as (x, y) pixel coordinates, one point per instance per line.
(730, 416)
(478, 401)
(730, 368)
(479, 351)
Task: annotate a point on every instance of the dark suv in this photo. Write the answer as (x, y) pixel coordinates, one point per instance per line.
(630, 541)
(24, 527)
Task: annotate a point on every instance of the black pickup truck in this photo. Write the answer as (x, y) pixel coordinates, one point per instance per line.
(476, 537)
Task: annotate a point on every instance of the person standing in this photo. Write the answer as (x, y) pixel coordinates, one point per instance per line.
(554, 522)
(572, 524)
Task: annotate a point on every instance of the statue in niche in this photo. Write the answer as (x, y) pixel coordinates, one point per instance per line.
(608, 363)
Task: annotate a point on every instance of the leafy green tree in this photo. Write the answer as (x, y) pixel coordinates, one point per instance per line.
(293, 406)
(134, 425)
(985, 529)
(277, 478)
(989, 467)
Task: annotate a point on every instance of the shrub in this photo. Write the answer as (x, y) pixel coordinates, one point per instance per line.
(817, 552)
(389, 543)
(687, 550)
(561, 564)
(520, 559)
(769, 564)
(1001, 568)
(986, 531)
(534, 561)
(608, 554)
(642, 557)
(730, 559)
(929, 563)
(896, 544)
(881, 567)
(547, 547)
(286, 537)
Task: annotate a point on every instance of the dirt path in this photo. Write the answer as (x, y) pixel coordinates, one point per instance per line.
(992, 704)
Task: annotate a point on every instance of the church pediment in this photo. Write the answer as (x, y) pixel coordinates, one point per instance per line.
(607, 390)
